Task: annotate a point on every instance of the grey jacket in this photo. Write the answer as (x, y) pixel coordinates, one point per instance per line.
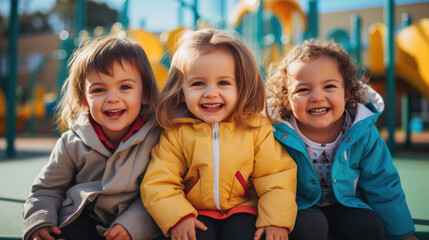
(80, 170)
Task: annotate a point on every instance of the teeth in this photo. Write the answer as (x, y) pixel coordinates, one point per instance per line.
(318, 111)
(114, 111)
(212, 105)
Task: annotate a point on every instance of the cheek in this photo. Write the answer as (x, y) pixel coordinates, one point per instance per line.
(292, 102)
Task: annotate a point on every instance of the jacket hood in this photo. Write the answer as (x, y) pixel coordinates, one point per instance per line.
(374, 105)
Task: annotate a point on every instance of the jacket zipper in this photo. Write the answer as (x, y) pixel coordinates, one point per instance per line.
(215, 131)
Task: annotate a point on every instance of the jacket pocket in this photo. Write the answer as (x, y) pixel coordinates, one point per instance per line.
(190, 187)
(238, 189)
(355, 183)
(193, 191)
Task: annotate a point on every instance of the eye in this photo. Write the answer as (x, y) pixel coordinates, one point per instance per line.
(302, 90)
(224, 83)
(330, 86)
(97, 90)
(197, 84)
(125, 87)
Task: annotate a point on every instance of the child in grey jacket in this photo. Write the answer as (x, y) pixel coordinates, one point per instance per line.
(89, 189)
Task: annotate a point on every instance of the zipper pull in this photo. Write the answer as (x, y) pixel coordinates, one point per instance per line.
(215, 130)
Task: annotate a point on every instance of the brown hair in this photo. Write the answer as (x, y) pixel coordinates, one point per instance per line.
(99, 55)
(250, 85)
(278, 81)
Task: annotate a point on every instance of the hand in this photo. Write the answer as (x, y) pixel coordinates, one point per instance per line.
(44, 233)
(186, 229)
(411, 238)
(117, 232)
(272, 233)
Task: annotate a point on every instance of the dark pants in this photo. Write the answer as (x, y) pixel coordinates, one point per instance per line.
(337, 221)
(83, 228)
(237, 226)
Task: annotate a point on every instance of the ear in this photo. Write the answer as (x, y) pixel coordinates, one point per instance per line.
(182, 97)
(84, 102)
(346, 96)
(145, 100)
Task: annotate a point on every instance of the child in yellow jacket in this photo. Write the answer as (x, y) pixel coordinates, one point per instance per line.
(217, 171)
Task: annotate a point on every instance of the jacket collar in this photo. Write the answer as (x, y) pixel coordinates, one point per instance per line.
(84, 129)
(137, 124)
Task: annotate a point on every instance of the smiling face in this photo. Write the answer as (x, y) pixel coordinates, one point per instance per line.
(317, 98)
(210, 87)
(114, 101)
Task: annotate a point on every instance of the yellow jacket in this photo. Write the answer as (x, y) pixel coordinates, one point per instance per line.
(203, 166)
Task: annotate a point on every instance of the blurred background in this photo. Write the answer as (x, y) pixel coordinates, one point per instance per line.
(387, 39)
(380, 36)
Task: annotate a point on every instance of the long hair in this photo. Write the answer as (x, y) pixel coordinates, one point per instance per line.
(278, 82)
(99, 55)
(250, 85)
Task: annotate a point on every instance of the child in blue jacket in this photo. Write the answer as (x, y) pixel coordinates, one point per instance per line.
(324, 116)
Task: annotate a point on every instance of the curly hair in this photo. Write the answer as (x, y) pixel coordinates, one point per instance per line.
(192, 44)
(278, 83)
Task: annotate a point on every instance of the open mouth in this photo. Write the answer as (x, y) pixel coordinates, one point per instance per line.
(114, 113)
(317, 111)
(212, 107)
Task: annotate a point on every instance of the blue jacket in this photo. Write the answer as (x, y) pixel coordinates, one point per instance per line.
(363, 175)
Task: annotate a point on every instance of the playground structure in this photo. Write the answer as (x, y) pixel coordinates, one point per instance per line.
(270, 38)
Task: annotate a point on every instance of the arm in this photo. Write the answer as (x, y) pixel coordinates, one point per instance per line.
(381, 186)
(162, 187)
(274, 179)
(42, 206)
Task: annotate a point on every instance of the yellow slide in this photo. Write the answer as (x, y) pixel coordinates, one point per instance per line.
(412, 59)
(413, 55)
(24, 111)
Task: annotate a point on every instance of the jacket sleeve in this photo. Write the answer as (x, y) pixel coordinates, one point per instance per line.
(274, 179)
(137, 221)
(162, 187)
(381, 185)
(42, 206)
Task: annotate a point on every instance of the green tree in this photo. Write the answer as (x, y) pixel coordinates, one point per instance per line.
(35, 22)
(97, 14)
(100, 14)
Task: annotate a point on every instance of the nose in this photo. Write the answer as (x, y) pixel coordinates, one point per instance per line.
(317, 95)
(211, 91)
(112, 97)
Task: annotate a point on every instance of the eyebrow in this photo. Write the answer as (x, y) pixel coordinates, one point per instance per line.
(334, 80)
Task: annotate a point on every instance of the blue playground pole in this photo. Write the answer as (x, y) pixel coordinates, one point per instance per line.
(406, 105)
(194, 9)
(80, 16)
(12, 78)
(356, 23)
(312, 20)
(222, 13)
(196, 16)
(389, 16)
(123, 17)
